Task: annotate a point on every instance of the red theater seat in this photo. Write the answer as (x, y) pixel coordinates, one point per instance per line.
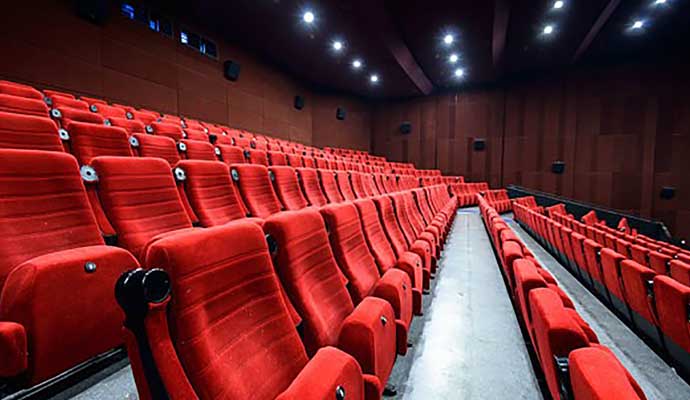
(230, 154)
(330, 186)
(308, 271)
(343, 180)
(595, 373)
(140, 200)
(254, 185)
(172, 131)
(23, 105)
(209, 190)
(239, 313)
(29, 133)
(132, 126)
(56, 274)
(356, 262)
(311, 188)
(277, 158)
(156, 146)
(196, 150)
(89, 140)
(256, 157)
(19, 90)
(286, 185)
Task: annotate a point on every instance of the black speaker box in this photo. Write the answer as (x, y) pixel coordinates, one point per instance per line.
(340, 113)
(299, 102)
(94, 11)
(406, 128)
(558, 167)
(231, 70)
(479, 144)
(667, 192)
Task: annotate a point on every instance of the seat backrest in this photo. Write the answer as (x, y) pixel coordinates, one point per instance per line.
(130, 125)
(375, 235)
(256, 157)
(87, 141)
(60, 101)
(172, 131)
(350, 249)
(43, 207)
(210, 192)
(20, 90)
(595, 373)
(308, 271)
(403, 216)
(287, 188)
(294, 160)
(343, 179)
(311, 188)
(196, 150)
(672, 299)
(277, 158)
(66, 115)
(156, 146)
(330, 186)
(556, 333)
(107, 111)
(28, 132)
(389, 221)
(254, 185)
(230, 154)
(140, 199)
(146, 117)
(23, 105)
(238, 313)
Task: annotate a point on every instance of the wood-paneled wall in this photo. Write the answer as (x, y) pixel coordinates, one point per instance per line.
(623, 133)
(44, 43)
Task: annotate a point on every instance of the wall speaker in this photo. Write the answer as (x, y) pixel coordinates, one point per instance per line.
(667, 192)
(406, 128)
(340, 113)
(299, 102)
(231, 70)
(94, 11)
(479, 144)
(558, 167)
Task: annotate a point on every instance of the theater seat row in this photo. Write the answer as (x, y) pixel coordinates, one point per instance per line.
(646, 282)
(575, 364)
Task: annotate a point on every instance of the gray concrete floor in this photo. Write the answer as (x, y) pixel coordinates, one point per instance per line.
(657, 378)
(468, 344)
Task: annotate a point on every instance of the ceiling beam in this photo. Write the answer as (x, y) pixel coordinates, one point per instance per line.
(379, 23)
(501, 20)
(596, 28)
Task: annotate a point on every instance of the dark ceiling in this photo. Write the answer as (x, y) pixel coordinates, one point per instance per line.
(402, 40)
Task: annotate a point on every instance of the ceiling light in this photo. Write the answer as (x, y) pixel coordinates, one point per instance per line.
(548, 29)
(558, 5)
(357, 64)
(638, 24)
(308, 17)
(448, 39)
(453, 58)
(459, 73)
(337, 45)
(657, 2)
(374, 78)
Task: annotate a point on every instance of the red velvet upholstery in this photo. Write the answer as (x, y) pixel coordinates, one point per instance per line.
(343, 180)
(330, 186)
(140, 199)
(19, 90)
(69, 115)
(47, 235)
(672, 299)
(309, 181)
(256, 190)
(210, 192)
(107, 111)
(308, 271)
(256, 157)
(229, 323)
(172, 131)
(23, 105)
(132, 126)
(595, 373)
(277, 158)
(231, 154)
(157, 146)
(28, 132)
(287, 188)
(89, 140)
(196, 150)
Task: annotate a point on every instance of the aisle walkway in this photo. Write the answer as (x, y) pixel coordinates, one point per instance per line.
(468, 345)
(655, 376)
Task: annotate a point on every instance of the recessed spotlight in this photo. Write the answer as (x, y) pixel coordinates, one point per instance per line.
(459, 73)
(558, 4)
(374, 78)
(308, 17)
(639, 24)
(453, 58)
(337, 45)
(356, 64)
(548, 29)
(659, 2)
(448, 39)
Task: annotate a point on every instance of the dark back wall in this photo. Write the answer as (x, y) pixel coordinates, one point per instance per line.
(44, 43)
(623, 133)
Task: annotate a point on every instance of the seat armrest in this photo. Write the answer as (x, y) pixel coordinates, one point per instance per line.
(13, 349)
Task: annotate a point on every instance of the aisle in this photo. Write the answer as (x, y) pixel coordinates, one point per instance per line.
(468, 345)
(657, 378)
